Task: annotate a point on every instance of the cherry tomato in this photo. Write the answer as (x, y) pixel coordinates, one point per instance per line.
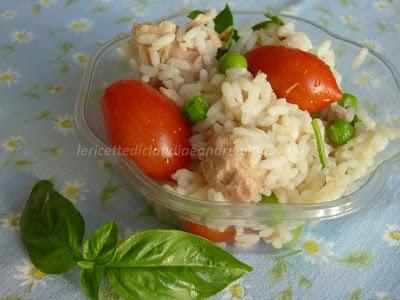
(151, 126)
(226, 236)
(300, 77)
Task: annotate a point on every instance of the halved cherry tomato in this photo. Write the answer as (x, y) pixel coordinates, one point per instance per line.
(300, 77)
(226, 236)
(142, 120)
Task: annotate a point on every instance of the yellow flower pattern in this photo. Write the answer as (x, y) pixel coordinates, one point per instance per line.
(80, 25)
(74, 190)
(13, 143)
(80, 58)
(9, 77)
(64, 124)
(20, 36)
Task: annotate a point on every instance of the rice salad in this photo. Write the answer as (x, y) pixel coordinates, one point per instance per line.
(272, 151)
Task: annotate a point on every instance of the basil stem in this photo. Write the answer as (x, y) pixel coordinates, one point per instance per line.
(320, 143)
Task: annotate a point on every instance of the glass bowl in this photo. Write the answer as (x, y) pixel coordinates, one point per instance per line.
(376, 83)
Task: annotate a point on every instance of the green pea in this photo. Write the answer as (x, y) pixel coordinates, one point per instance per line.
(348, 100)
(195, 109)
(232, 60)
(340, 132)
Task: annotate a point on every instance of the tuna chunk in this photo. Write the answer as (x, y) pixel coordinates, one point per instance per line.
(141, 51)
(230, 172)
(144, 35)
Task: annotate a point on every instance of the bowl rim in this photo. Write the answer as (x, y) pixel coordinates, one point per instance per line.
(324, 210)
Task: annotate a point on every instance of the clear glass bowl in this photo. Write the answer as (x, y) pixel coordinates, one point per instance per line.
(380, 94)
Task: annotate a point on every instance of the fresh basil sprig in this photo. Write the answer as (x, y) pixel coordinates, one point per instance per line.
(194, 13)
(272, 19)
(165, 264)
(223, 20)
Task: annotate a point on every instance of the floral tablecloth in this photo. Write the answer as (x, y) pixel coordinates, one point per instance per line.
(44, 46)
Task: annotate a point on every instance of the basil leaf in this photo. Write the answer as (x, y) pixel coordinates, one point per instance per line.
(100, 245)
(90, 282)
(226, 44)
(269, 199)
(223, 20)
(235, 35)
(273, 19)
(52, 229)
(193, 14)
(171, 264)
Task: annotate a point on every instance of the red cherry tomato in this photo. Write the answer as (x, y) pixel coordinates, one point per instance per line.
(147, 123)
(300, 77)
(226, 236)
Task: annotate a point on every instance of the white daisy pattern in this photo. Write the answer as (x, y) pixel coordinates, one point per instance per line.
(64, 124)
(138, 11)
(383, 296)
(316, 250)
(380, 5)
(31, 276)
(11, 221)
(47, 3)
(392, 235)
(80, 25)
(290, 10)
(20, 37)
(9, 77)
(74, 190)
(236, 290)
(80, 58)
(8, 14)
(366, 79)
(372, 44)
(13, 143)
(349, 19)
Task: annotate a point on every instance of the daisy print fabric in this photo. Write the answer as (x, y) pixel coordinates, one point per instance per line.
(45, 46)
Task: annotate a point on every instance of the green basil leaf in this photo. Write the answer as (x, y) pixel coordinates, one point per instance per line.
(226, 45)
(235, 35)
(223, 20)
(101, 244)
(269, 199)
(193, 14)
(273, 19)
(52, 229)
(171, 264)
(90, 282)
